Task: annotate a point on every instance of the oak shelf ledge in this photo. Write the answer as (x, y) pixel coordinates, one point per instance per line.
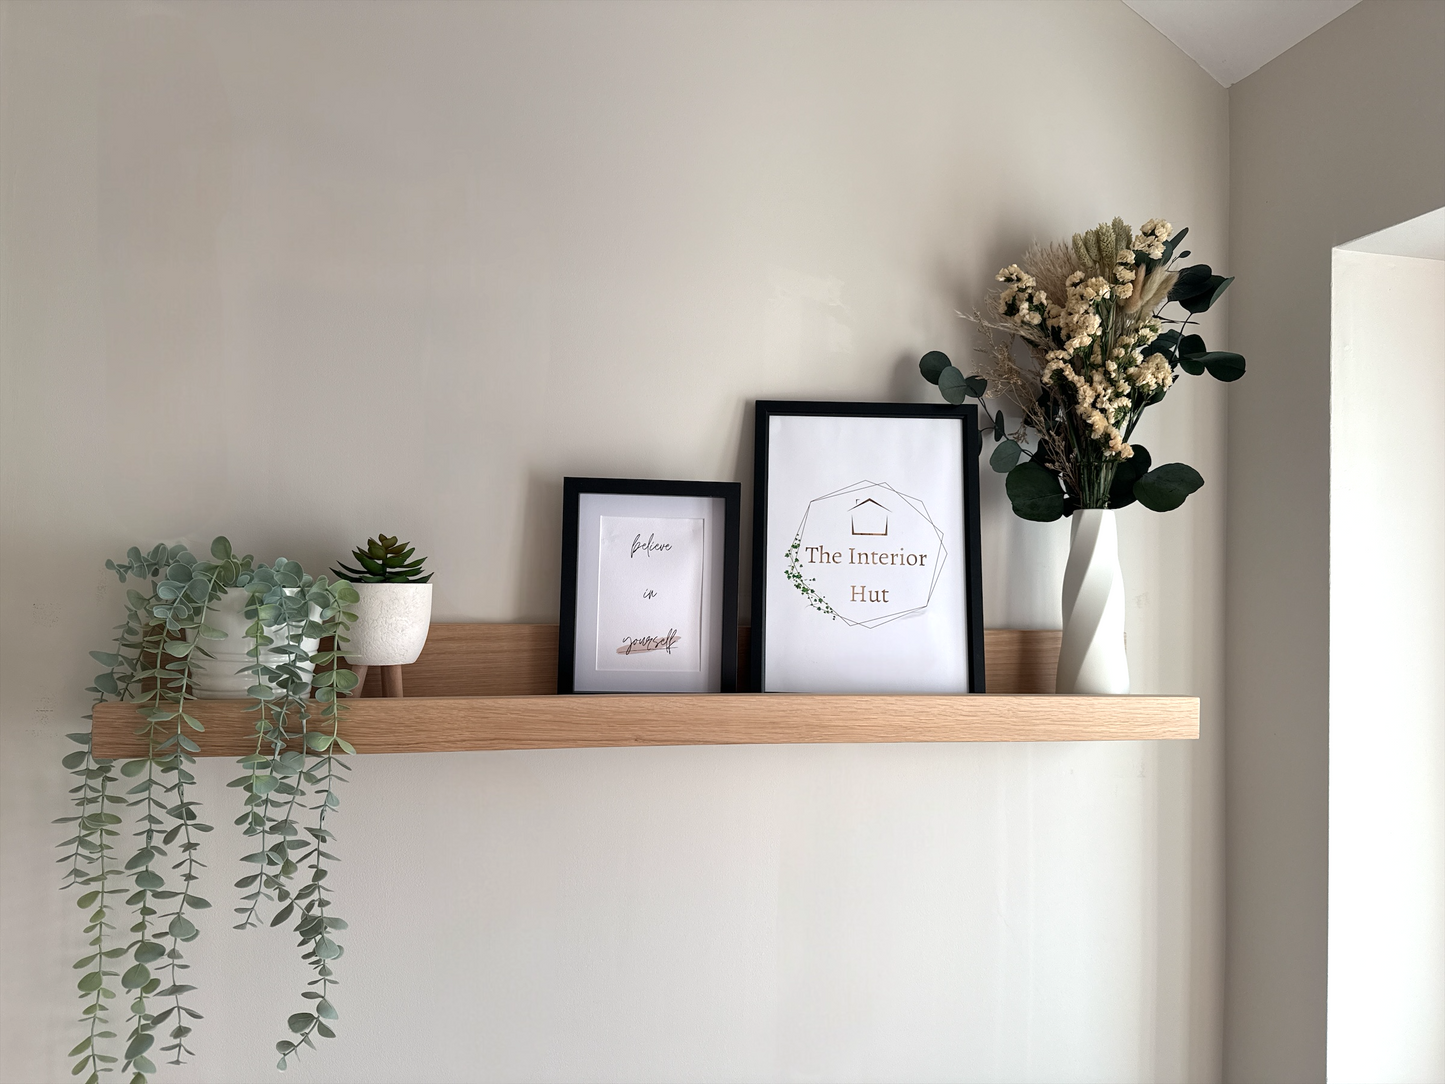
(461, 724)
(490, 687)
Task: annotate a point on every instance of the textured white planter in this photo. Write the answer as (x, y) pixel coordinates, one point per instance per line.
(1092, 658)
(216, 678)
(391, 623)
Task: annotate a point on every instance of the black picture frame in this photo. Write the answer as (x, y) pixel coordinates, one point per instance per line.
(972, 443)
(730, 493)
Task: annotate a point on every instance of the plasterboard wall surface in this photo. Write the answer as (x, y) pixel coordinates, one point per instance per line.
(301, 272)
(1337, 138)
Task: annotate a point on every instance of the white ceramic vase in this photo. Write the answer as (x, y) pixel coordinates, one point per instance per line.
(1091, 659)
(217, 678)
(391, 624)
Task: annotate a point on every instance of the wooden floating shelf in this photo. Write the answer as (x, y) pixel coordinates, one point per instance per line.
(486, 687)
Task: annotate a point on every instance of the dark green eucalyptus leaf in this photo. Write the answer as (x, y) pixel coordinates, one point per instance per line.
(1129, 471)
(1201, 301)
(953, 385)
(1191, 344)
(1165, 488)
(1224, 365)
(1191, 281)
(1005, 456)
(1034, 492)
(998, 427)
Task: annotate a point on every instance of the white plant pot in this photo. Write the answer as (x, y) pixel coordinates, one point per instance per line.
(1091, 658)
(217, 678)
(391, 623)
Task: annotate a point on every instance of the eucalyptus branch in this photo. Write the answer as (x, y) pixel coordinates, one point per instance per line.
(316, 926)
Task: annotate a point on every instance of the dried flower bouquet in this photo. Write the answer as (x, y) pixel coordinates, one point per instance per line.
(1088, 313)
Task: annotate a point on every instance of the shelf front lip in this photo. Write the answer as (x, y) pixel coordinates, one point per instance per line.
(463, 724)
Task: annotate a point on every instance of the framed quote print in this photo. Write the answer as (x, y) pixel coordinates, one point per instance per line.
(866, 572)
(649, 586)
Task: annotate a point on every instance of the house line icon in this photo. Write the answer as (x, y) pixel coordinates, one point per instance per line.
(870, 518)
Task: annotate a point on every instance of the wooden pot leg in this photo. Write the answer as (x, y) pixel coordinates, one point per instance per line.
(360, 672)
(391, 681)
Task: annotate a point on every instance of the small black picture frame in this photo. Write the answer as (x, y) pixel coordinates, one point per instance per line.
(595, 574)
(812, 560)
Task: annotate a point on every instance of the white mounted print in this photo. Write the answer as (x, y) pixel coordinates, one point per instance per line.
(649, 593)
(866, 571)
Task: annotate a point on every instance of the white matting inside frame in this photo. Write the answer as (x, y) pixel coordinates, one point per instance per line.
(649, 618)
(866, 567)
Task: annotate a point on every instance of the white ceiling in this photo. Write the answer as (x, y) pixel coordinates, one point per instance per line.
(1233, 38)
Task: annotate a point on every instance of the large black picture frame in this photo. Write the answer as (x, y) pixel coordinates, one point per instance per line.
(967, 418)
(730, 493)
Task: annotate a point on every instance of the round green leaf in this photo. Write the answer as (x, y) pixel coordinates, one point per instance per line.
(953, 385)
(136, 977)
(1129, 471)
(1005, 456)
(931, 365)
(1164, 488)
(1202, 301)
(221, 548)
(1034, 492)
(1224, 365)
(139, 1045)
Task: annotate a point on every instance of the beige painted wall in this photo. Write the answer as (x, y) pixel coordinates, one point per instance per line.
(1337, 138)
(522, 241)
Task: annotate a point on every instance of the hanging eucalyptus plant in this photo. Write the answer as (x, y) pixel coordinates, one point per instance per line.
(141, 899)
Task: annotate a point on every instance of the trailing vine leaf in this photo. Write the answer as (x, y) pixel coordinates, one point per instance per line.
(316, 920)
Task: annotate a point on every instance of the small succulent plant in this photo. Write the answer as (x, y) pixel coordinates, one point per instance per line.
(383, 560)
